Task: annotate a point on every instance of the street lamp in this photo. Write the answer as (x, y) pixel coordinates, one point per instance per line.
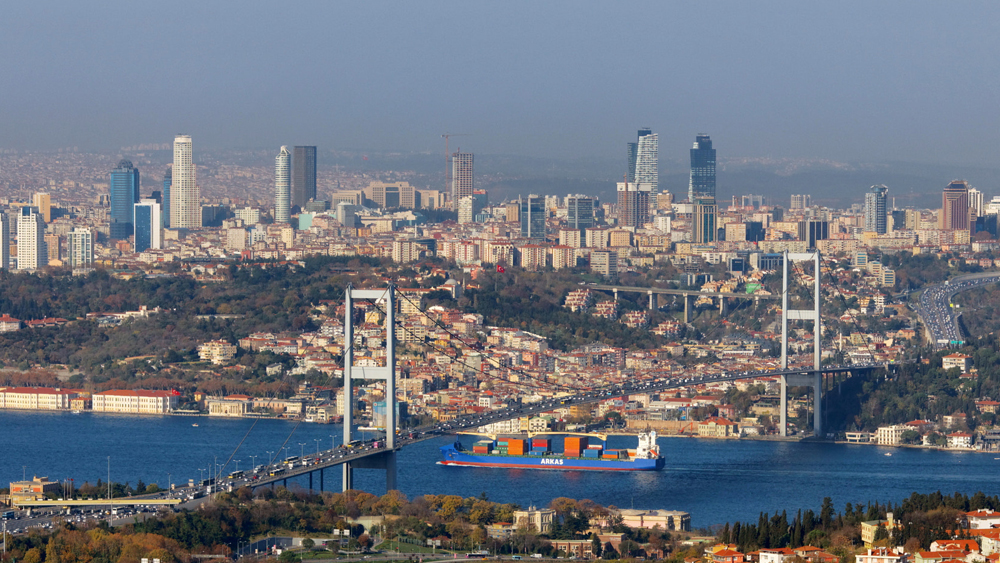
(270, 457)
(168, 482)
(302, 449)
(201, 475)
(333, 442)
(317, 440)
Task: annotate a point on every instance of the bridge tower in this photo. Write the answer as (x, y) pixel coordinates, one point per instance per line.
(387, 373)
(815, 377)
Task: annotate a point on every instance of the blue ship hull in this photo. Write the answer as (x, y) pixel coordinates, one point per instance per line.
(452, 456)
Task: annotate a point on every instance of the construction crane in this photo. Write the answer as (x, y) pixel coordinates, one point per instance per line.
(447, 162)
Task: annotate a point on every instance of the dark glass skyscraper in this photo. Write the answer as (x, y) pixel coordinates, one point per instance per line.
(303, 175)
(124, 191)
(533, 217)
(702, 182)
(168, 179)
(580, 212)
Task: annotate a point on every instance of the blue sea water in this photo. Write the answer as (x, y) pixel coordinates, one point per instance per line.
(714, 480)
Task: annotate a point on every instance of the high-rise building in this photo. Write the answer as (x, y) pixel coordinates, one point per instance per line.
(461, 176)
(167, 180)
(876, 210)
(704, 229)
(580, 211)
(81, 248)
(647, 161)
(532, 215)
(44, 204)
(813, 230)
(633, 153)
(4, 241)
(282, 186)
(185, 195)
(801, 201)
(466, 209)
(124, 192)
(31, 253)
(955, 206)
(702, 182)
(303, 175)
(633, 204)
(147, 225)
(753, 200)
(976, 201)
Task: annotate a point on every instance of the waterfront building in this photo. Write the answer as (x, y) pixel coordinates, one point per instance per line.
(876, 210)
(303, 175)
(36, 398)
(31, 253)
(81, 248)
(702, 181)
(462, 180)
(282, 186)
(135, 401)
(36, 489)
(147, 225)
(124, 194)
(185, 195)
(234, 406)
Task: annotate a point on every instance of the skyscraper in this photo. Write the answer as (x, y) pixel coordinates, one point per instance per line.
(633, 154)
(282, 185)
(81, 247)
(44, 204)
(167, 180)
(580, 212)
(875, 209)
(4, 241)
(647, 161)
(147, 225)
(955, 206)
(633, 204)
(704, 229)
(185, 196)
(461, 177)
(702, 183)
(801, 201)
(976, 201)
(303, 175)
(31, 253)
(124, 192)
(533, 217)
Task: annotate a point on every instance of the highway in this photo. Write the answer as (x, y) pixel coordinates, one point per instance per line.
(936, 313)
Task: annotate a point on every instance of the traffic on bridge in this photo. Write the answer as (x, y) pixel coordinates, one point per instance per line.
(936, 312)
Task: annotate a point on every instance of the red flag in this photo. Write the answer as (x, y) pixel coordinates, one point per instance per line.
(500, 269)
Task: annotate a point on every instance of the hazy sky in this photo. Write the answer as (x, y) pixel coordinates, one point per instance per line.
(862, 81)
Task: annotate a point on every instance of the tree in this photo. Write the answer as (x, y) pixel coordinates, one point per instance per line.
(308, 543)
(595, 543)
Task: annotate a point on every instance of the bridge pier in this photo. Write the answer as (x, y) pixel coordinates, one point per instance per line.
(321, 471)
(310, 481)
(652, 301)
(688, 307)
(616, 295)
(348, 477)
(722, 307)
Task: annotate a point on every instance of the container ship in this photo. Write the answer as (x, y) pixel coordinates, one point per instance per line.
(536, 453)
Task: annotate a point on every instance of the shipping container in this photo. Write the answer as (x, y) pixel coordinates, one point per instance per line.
(575, 442)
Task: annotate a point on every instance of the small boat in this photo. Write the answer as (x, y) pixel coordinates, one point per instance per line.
(195, 425)
(888, 454)
(77, 411)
